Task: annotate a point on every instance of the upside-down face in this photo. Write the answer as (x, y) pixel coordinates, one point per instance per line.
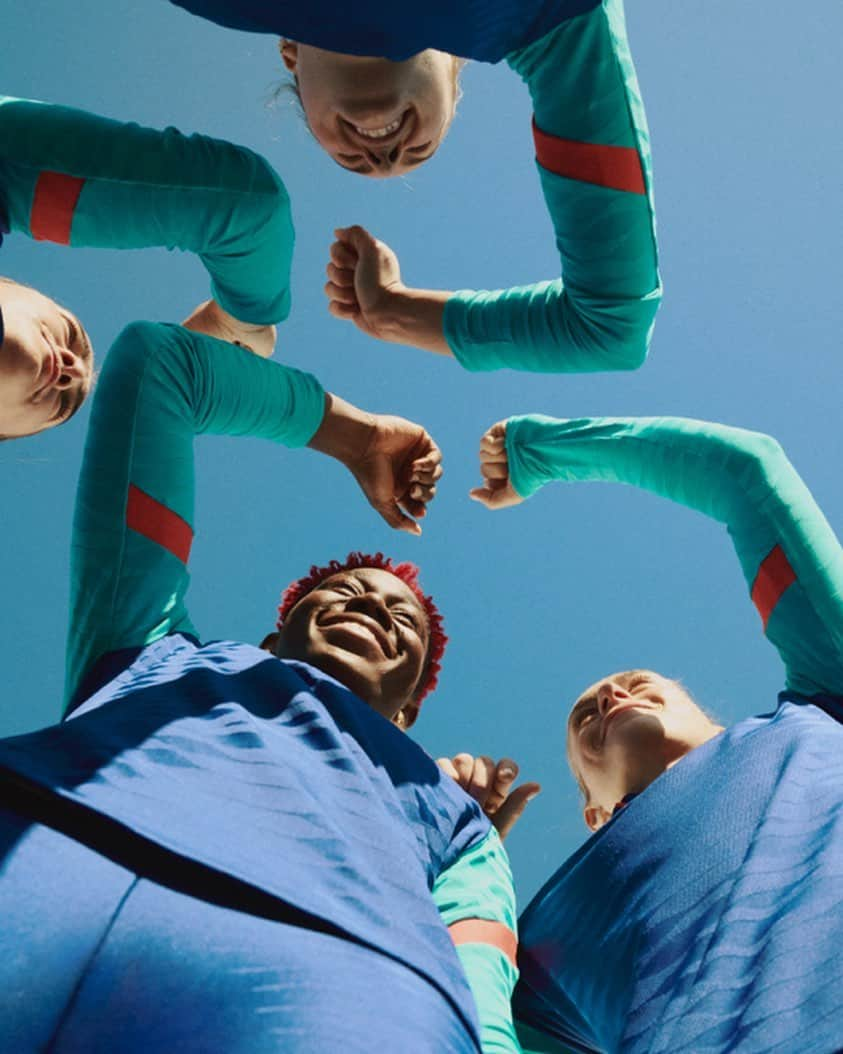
(373, 116)
(46, 362)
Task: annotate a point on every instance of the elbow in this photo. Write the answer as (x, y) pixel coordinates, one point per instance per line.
(622, 329)
(761, 458)
(270, 201)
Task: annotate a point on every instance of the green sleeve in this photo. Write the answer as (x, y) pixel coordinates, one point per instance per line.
(600, 314)
(478, 886)
(161, 385)
(790, 557)
(83, 180)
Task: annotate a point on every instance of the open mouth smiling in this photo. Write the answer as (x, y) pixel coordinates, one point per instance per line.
(365, 623)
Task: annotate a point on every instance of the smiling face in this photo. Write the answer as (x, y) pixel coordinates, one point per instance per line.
(373, 116)
(46, 363)
(626, 730)
(366, 628)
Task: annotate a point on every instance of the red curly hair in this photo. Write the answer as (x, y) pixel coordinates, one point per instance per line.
(409, 574)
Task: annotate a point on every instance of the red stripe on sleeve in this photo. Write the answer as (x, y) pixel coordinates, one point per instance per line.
(158, 523)
(53, 205)
(482, 931)
(774, 576)
(615, 167)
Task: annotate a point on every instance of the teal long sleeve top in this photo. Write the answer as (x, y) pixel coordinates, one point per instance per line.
(79, 179)
(789, 555)
(705, 915)
(593, 159)
(161, 386)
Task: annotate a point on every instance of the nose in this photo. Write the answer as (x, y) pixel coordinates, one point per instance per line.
(72, 369)
(607, 695)
(371, 604)
(383, 159)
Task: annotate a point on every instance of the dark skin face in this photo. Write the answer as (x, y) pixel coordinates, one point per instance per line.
(367, 629)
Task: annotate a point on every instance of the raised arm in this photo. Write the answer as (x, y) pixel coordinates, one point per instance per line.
(592, 151)
(72, 177)
(790, 557)
(476, 900)
(593, 158)
(133, 527)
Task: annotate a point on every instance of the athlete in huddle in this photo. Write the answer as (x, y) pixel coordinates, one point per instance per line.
(227, 847)
(77, 179)
(705, 913)
(383, 116)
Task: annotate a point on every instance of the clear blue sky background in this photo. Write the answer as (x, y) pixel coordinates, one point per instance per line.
(743, 104)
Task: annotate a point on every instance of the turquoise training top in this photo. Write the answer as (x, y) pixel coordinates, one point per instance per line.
(78, 179)
(266, 771)
(707, 914)
(592, 152)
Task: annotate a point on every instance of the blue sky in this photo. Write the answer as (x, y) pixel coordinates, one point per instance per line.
(541, 600)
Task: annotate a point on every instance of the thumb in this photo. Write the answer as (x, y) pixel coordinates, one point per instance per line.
(510, 812)
(357, 237)
(483, 495)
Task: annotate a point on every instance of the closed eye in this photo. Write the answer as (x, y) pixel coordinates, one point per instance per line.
(581, 716)
(407, 618)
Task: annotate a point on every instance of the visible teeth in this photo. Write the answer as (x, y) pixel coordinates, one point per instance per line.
(378, 133)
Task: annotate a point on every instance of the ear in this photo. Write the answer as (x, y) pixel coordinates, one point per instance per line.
(595, 816)
(289, 51)
(270, 642)
(406, 716)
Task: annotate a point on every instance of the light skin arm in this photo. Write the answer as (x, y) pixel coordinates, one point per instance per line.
(790, 557)
(162, 386)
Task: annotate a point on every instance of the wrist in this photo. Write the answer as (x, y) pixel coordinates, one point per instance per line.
(413, 316)
(345, 432)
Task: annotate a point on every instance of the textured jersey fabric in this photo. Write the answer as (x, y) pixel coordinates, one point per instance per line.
(475, 29)
(276, 775)
(707, 915)
(78, 179)
(229, 775)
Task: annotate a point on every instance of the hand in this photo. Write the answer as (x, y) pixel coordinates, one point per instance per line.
(395, 461)
(497, 492)
(363, 276)
(398, 471)
(215, 321)
(364, 286)
(491, 786)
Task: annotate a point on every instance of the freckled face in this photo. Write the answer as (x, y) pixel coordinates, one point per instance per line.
(366, 628)
(46, 362)
(625, 730)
